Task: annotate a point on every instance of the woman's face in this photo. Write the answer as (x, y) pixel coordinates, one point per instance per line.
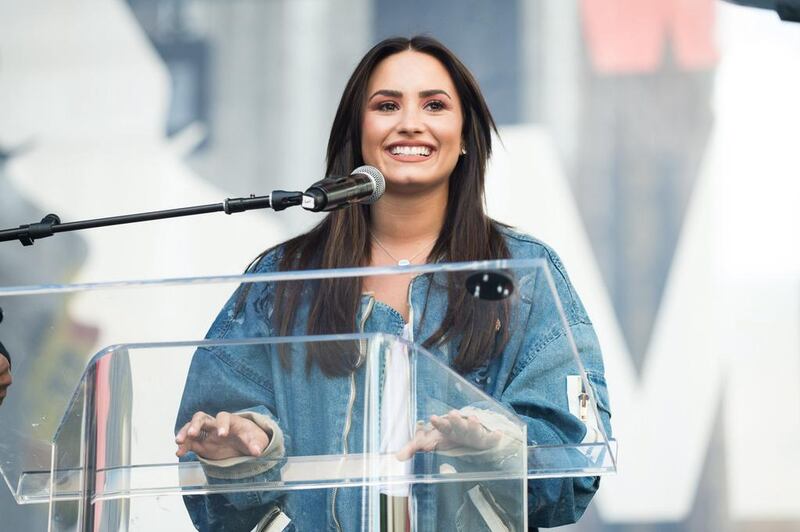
(411, 130)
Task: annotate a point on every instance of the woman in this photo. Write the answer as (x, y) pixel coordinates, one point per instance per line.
(414, 111)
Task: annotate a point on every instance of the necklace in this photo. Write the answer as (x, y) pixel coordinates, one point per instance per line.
(400, 262)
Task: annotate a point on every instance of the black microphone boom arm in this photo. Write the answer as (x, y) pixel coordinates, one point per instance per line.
(51, 224)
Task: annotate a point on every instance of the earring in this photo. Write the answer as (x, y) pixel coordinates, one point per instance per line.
(463, 150)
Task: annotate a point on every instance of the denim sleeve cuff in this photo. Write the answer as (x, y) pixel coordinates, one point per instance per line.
(241, 467)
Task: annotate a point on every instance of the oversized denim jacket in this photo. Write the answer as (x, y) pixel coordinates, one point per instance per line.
(524, 378)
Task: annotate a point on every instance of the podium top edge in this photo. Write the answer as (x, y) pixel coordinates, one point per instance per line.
(298, 275)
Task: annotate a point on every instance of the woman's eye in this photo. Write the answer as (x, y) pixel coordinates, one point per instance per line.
(387, 106)
(434, 105)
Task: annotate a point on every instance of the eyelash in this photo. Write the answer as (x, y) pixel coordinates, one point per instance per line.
(440, 105)
(383, 106)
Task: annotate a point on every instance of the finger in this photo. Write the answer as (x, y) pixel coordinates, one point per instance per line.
(428, 439)
(200, 421)
(193, 445)
(493, 438)
(458, 424)
(432, 439)
(182, 450)
(184, 441)
(477, 433)
(442, 424)
(408, 450)
(249, 437)
(475, 426)
(180, 437)
(194, 424)
(223, 424)
(255, 444)
(414, 444)
(248, 441)
(483, 437)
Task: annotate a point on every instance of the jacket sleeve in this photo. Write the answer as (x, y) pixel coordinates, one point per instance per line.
(538, 394)
(537, 380)
(234, 377)
(213, 385)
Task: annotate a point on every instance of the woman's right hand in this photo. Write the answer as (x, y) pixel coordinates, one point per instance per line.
(224, 436)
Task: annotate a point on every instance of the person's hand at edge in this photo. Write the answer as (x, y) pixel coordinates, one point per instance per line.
(5, 374)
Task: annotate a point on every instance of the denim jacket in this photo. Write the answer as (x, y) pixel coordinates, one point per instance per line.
(528, 377)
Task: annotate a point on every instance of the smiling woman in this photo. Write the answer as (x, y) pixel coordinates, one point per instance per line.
(404, 95)
(415, 112)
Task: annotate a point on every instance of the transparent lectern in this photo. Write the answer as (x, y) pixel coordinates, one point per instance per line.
(369, 426)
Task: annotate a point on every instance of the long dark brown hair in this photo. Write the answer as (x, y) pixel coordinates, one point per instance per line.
(343, 238)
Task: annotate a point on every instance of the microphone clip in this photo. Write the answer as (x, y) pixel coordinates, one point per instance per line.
(39, 230)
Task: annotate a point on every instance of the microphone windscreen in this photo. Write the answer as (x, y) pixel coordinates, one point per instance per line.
(376, 177)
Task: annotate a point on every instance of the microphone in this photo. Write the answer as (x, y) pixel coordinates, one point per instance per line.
(364, 185)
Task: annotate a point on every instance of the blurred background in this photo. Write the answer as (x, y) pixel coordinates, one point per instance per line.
(653, 144)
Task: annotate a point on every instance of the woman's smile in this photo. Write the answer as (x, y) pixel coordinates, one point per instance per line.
(410, 152)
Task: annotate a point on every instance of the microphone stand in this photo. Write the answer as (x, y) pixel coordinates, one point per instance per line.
(51, 224)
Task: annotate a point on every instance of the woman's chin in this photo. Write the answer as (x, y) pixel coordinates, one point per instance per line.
(413, 183)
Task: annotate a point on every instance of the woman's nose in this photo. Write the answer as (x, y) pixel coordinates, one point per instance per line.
(410, 121)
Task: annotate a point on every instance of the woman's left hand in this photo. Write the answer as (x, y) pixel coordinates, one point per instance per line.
(450, 431)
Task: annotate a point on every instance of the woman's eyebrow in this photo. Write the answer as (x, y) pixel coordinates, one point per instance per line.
(386, 92)
(398, 94)
(432, 92)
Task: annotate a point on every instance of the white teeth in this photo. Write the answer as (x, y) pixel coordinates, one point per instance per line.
(411, 150)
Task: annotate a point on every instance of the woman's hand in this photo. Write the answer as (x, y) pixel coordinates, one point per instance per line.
(451, 431)
(225, 436)
(5, 377)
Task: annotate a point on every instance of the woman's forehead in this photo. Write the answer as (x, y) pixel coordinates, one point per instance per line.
(410, 71)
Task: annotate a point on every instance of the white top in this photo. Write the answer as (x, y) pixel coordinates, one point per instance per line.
(396, 417)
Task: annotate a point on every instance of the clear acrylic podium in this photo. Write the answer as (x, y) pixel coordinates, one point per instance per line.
(93, 435)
